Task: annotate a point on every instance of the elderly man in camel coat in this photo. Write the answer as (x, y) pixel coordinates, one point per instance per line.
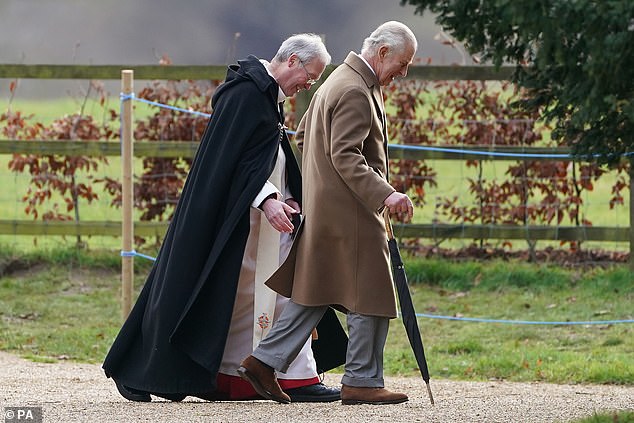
(341, 257)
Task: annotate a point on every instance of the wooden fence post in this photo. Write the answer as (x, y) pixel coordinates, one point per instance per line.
(127, 228)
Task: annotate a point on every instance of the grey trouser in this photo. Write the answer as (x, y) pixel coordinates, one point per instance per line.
(364, 357)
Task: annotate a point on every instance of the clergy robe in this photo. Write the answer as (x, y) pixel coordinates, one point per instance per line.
(174, 338)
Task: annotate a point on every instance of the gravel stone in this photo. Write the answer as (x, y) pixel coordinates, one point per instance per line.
(75, 392)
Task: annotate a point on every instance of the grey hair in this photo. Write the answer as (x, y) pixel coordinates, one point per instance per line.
(394, 34)
(306, 46)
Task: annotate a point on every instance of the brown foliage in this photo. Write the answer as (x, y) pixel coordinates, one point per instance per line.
(465, 113)
(52, 174)
(157, 188)
(159, 185)
(446, 113)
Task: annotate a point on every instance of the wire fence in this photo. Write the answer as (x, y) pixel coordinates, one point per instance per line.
(452, 182)
(450, 188)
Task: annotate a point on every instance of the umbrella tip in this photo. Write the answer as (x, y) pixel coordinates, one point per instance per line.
(431, 397)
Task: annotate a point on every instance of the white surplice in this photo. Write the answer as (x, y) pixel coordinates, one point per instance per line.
(256, 305)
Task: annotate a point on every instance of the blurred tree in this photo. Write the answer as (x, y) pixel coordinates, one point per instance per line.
(576, 58)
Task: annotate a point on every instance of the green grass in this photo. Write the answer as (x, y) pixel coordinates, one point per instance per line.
(517, 291)
(613, 417)
(64, 304)
(61, 303)
(46, 111)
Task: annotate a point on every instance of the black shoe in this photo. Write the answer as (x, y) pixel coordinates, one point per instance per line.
(314, 393)
(211, 396)
(132, 394)
(172, 397)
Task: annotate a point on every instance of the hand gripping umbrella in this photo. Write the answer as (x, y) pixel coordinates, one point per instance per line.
(407, 308)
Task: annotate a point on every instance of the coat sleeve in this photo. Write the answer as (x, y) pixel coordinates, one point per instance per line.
(350, 129)
(299, 134)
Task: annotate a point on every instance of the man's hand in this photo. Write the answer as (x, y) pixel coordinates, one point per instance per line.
(279, 214)
(400, 205)
(294, 204)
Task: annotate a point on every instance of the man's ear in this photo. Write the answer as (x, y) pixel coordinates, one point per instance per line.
(291, 60)
(383, 51)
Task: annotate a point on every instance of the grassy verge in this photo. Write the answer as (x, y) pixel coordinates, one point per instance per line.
(64, 305)
(616, 417)
(59, 304)
(522, 352)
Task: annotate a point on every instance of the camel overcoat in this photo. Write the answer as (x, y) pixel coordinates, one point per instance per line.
(340, 257)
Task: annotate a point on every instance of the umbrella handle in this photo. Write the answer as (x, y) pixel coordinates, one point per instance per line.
(388, 223)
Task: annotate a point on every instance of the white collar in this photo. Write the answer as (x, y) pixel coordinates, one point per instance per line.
(280, 94)
(366, 62)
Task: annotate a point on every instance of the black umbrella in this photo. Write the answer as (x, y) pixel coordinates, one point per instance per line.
(407, 308)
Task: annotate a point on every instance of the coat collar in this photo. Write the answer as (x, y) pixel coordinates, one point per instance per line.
(369, 77)
(249, 69)
(255, 70)
(359, 66)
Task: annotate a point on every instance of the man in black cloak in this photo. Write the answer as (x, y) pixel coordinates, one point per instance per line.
(172, 343)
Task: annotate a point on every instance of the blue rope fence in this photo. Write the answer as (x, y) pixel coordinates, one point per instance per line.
(523, 322)
(125, 97)
(134, 253)
(479, 152)
(463, 319)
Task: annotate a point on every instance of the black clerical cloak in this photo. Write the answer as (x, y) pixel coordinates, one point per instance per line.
(174, 337)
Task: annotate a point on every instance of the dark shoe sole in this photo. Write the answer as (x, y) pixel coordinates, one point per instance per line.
(172, 397)
(314, 398)
(359, 402)
(132, 396)
(246, 375)
(317, 392)
(211, 396)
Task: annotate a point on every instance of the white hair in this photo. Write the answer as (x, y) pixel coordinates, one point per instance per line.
(394, 34)
(306, 46)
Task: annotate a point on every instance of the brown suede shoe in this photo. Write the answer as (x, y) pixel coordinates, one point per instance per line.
(351, 395)
(263, 380)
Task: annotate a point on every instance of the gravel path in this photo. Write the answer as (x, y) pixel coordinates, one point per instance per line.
(71, 392)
